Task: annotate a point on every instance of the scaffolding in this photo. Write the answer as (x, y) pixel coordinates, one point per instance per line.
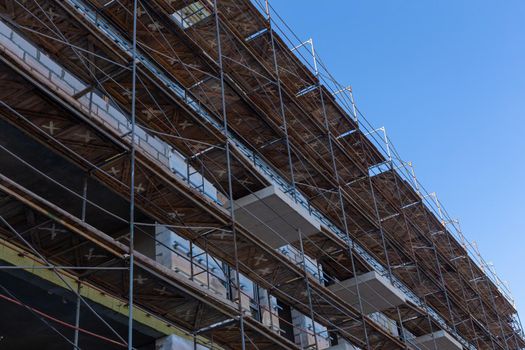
(196, 161)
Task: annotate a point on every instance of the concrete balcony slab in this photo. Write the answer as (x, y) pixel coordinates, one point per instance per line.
(438, 340)
(377, 293)
(274, 217)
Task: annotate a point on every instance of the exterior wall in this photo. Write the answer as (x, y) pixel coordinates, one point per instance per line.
(145, 241)
(303, 332)
(269, 313)
(385, 322)
(171, 252)
(98, 106)
(62, 80)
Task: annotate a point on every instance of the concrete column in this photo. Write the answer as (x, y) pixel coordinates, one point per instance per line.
(175, 342)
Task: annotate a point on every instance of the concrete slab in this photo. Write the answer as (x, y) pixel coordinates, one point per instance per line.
(175, 342)
(438, 340)
(343, 345)
(274, 216)
(377, 293)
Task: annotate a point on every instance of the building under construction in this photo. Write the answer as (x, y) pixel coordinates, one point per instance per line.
(182, 174)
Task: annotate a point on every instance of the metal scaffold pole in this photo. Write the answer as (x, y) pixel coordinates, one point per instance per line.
(485, 316)
(77, 318)
(132, 175)
(281, 103)
(79, 283)
(407, 227)
(229, 175)
(465, 296)
(308, 290)
(500, 324)
(382, 233)
(290, 166)
(405, 222)
(432, 246)
(335, 169)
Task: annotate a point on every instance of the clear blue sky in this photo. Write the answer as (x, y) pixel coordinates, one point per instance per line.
(447, 79)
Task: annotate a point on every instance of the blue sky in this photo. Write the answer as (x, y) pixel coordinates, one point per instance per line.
(447, 79)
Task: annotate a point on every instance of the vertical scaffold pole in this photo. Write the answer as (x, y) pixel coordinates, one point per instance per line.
(479, 292)
(77, 307)
(419, 278)
(77, 318)
(349, 243)
(444, 223)
(290, 162)
(481, 300)
(229, 174)
(493, 300)
(281, 102)
(132, 175)
(441, 218)
(382, 232)
(465, 295)
(407, 227)
(308, 290)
